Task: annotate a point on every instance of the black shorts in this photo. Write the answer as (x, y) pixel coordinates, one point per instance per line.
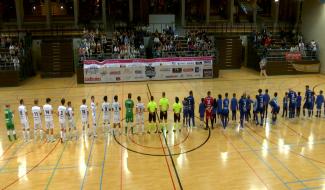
(163, 115)
(177, 117)
(152, 117)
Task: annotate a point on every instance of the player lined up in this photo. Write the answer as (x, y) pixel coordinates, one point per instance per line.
(210, 108)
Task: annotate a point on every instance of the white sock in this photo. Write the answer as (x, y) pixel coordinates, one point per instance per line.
(41, 134)
(24, 135)
(94, 129)
(35, 134)
(27, 135)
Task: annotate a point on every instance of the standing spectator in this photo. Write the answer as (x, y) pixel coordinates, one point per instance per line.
(263, 63)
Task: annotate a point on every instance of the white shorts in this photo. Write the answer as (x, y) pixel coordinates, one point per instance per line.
(62, 125)
(106, 119)
(24, 124)
(140, 118)
(94, 120)
(71, 124)
(116, 119)
(37, 125)
(49, 124)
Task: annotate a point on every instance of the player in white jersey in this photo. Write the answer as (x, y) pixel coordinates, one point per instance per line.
(140, 115)
(106, 108)
(116, 108)
(48, 115)
(84, 116)
(62, 113)
(37, 112)
(71, 122)
(93, 107)
(24, 120)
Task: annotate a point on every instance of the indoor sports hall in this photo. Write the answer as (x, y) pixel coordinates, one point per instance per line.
(249, 73)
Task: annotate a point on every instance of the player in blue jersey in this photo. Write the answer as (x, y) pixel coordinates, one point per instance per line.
(234, 107)
(260, 107)
(249, 108)
(243, 110)
(285, 105)
(225, 111)
(266, 99)
(255, 110)
(298, 108)
(185, 113)
(319, 103)
(219, 107)
(191, 108)
(275, 107)
(201, 112)
(308, 101)
(313, 103)
(214, 110)
(292, 103)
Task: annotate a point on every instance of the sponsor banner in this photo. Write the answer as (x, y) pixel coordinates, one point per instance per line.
(290, 56)
(147, 69)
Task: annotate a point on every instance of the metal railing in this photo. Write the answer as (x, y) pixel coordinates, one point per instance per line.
(194, 53)
(280, 54)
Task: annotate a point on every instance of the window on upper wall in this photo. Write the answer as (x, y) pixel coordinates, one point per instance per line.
(90, 10)
(219, 9)
(265, 8)
(195, 11)
(62, 8)
(7, 10)
(34, 8)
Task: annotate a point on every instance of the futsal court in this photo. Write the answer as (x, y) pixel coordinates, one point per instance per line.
(288, 155)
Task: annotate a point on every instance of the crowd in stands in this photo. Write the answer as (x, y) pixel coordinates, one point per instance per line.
(198, 41)
(92, 43)
(286, 41)
(128, 43)
(10, 53)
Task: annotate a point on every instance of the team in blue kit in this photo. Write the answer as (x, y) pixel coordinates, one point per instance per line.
(217, 110)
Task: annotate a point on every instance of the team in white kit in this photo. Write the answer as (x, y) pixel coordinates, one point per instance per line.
(66, 119)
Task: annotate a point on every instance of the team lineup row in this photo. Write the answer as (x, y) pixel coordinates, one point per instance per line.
(209, 108)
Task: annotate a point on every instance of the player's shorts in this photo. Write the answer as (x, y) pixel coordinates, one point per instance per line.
(225, 112)
(106, 119)
(260, 110)
(71, 124)
(140, 118)
(319, 107)
(37, 125)
(191, 113)
(177, 117)
(275, 110)
(186, 113)
(152, 117)
(208, 114)
(24, 124)
(94, 120)
(309, 105)
(10, 126)
(116, 119)
(62, 125)
(49, 124)
(163, 115)
(129, 117)
(219, 112)
(84, 120)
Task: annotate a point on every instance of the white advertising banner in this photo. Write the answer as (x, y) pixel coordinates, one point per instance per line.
(113, 70)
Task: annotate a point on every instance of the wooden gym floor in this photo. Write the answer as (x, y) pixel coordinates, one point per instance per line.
(289, 155)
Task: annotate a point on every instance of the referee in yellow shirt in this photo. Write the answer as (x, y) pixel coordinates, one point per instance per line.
(152, 109)
(163, 106)
(177, 109)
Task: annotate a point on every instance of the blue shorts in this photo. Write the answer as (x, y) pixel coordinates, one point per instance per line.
(309, 105)
(260, 110)
(225, 112)
(185, 113)
(191, 113)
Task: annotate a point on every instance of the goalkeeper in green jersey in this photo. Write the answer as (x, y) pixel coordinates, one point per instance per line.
(129, 105)
(10, 123)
